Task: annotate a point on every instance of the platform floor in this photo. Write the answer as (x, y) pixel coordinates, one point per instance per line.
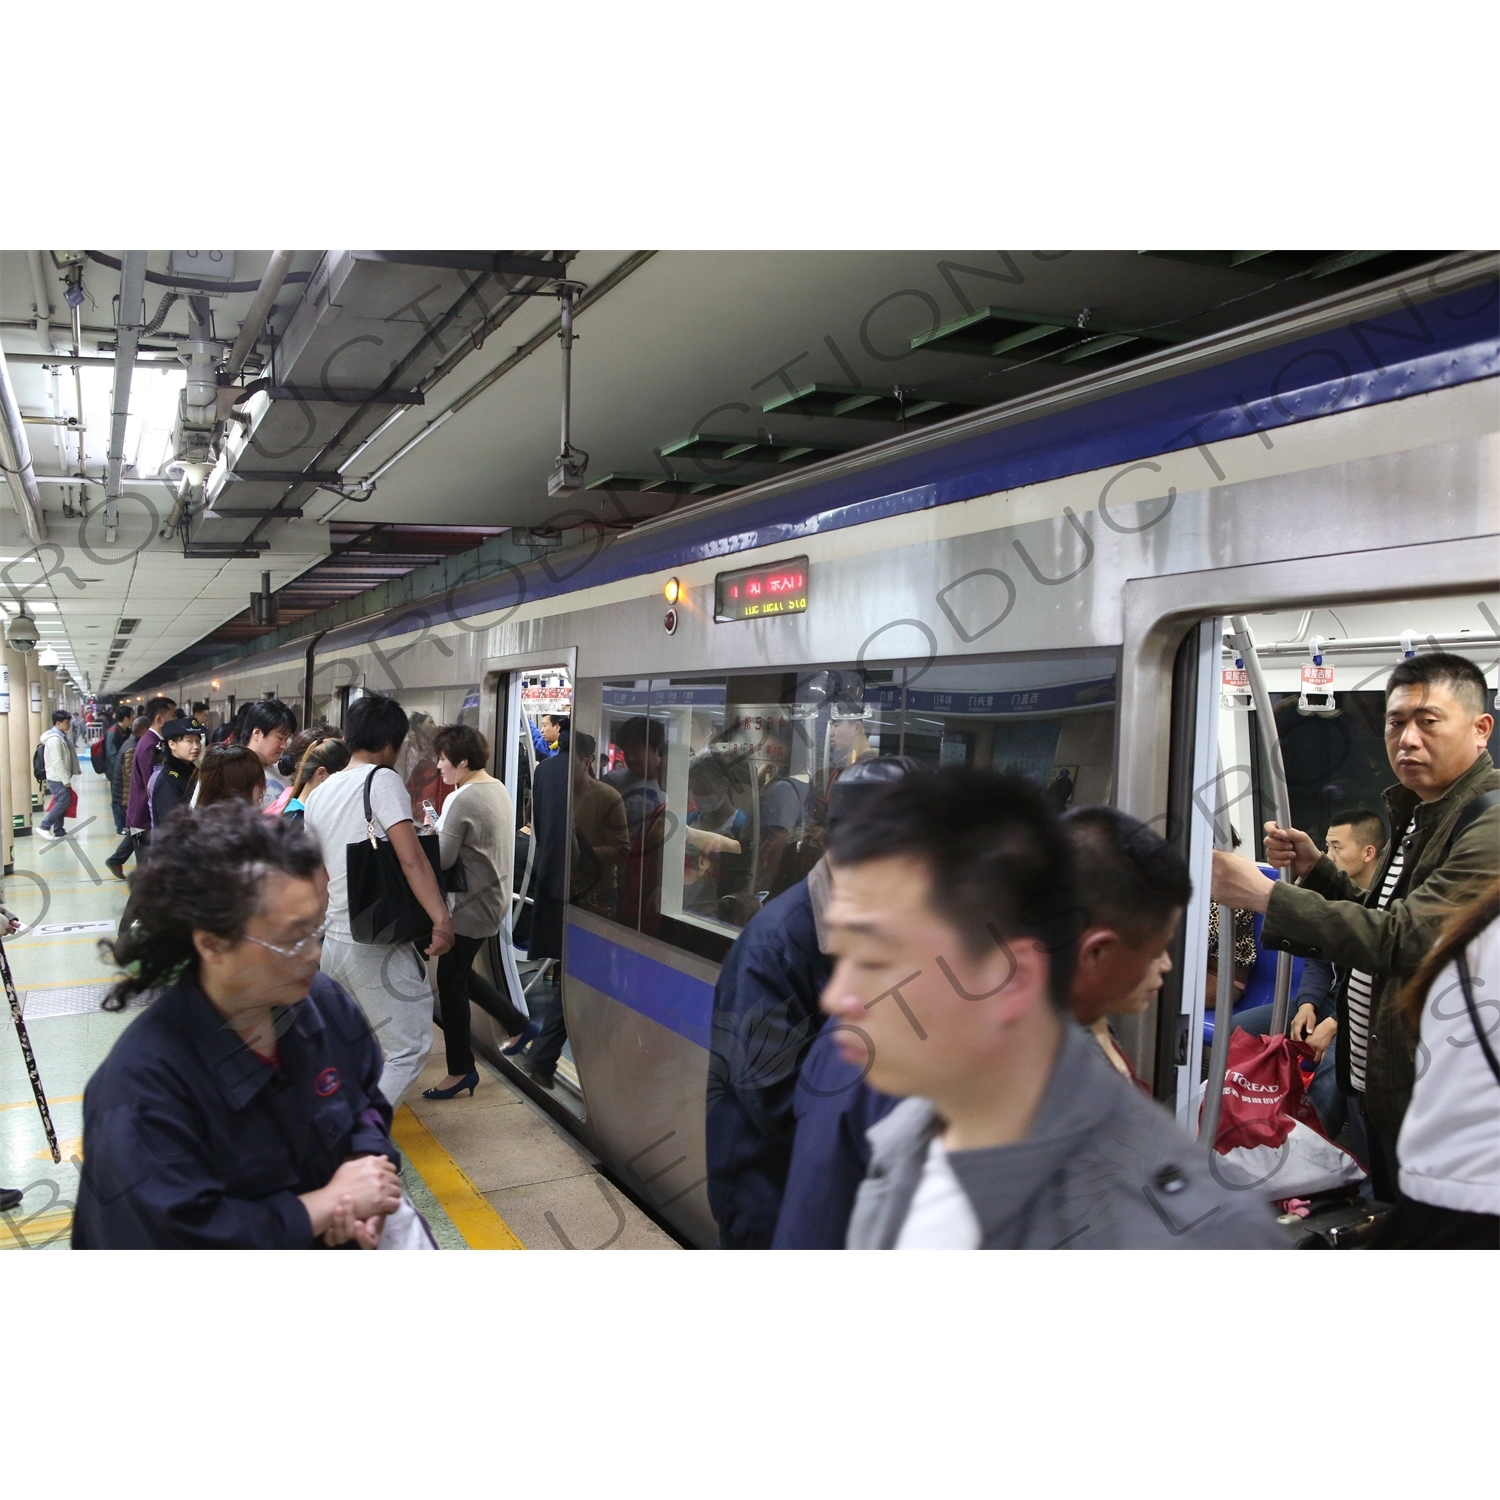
(489, 1172)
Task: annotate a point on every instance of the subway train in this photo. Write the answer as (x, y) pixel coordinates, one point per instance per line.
(1047, 586)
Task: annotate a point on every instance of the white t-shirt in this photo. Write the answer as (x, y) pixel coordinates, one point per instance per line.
(1450, 1139)
(941, 1216)
(336, 814)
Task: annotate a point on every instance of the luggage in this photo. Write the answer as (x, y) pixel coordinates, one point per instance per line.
(1339, 1224)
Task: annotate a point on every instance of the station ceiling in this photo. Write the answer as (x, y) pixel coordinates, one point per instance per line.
(400, 406)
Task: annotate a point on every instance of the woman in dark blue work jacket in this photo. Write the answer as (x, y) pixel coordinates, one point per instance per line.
(240, 1110)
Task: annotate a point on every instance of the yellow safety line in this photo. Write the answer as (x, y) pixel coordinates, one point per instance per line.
(31, 1103)
(471, 1213)
(44, 1229)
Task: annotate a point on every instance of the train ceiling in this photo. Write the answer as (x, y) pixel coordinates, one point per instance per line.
(399, 406)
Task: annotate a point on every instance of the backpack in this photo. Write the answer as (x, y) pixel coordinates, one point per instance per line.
(98, 755)
(39, 761)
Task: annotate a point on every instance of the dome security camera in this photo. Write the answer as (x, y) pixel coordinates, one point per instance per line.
(22, 633)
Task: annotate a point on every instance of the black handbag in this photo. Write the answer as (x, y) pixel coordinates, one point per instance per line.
(382, 907)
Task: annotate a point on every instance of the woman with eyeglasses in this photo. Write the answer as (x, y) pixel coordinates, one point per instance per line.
(241, 1110)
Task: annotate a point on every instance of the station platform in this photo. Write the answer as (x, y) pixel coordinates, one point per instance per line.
(491, 1172)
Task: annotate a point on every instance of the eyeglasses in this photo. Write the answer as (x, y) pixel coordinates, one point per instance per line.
(297, 949)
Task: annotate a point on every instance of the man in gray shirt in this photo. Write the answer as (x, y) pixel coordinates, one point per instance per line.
(953, 920)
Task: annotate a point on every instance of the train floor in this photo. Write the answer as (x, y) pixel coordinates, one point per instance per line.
(489, 1172)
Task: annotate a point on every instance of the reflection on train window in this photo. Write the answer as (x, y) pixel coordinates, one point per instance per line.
(721, 782)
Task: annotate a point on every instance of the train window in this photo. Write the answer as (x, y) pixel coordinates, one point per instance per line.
(709, 793)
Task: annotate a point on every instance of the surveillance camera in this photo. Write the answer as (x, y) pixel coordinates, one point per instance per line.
(22, 632)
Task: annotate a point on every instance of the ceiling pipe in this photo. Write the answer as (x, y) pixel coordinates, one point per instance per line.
(265, 298)
(42, 300)
(128, 333)
(20, 475)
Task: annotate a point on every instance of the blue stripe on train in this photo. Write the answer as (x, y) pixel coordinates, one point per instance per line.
(651, 988)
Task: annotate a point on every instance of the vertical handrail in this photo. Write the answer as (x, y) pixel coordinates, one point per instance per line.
(1218, 1057)
(1270, 740)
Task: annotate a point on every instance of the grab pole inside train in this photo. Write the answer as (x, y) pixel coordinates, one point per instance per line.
(1218, 1056)
(1270, 742)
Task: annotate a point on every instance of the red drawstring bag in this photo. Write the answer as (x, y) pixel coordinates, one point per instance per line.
(1263, 1092)
(72, 811)
(1269, 1134)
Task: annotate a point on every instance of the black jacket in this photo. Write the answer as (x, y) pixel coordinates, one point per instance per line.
(193, 1142)
(173, 789)
(549, 885)
(832, 1107)
(765, 1015)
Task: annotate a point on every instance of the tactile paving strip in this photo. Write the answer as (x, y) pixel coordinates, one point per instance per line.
(67, 1000)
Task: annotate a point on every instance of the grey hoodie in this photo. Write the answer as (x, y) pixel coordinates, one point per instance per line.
(1103, 1168)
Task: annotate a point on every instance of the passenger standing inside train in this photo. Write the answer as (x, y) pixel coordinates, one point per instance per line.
(953, 923)
(267, 726)
(1133, 888)
(765, 1018)
(549, 825)
(389, 980)
(638, 781)
(240, 1111)
(1354, 843)
(602, 834)
(478, 832)
(1444, 849)
(1449, 1148)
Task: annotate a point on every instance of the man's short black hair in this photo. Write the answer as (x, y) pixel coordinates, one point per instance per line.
(200, 708)
(641, 731)
(1443, 668)
(60, 714)
(267, 715)
(124, 713)
(998, 864)
(157, 707)
(375, 723)
(1367, 826)
(1130, 879)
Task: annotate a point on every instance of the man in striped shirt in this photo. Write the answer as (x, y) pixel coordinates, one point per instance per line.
(1437, 730)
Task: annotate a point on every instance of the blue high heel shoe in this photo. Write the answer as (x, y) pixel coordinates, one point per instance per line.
(522, 1042)
(469, 1081)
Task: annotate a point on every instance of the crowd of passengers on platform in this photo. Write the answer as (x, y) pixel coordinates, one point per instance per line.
(912, 1042)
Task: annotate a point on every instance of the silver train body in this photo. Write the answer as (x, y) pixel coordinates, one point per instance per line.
(1341, 458)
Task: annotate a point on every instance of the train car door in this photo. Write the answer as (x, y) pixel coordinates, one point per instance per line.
(526, 706)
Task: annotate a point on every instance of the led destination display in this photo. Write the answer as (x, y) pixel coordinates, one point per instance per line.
(754, 593)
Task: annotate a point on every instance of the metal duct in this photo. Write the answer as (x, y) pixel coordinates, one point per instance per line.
(270, 287)
(128, 331)
(43, 300)
(20, 475)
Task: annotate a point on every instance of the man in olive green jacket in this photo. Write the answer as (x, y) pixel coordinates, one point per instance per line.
(1440, 854)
